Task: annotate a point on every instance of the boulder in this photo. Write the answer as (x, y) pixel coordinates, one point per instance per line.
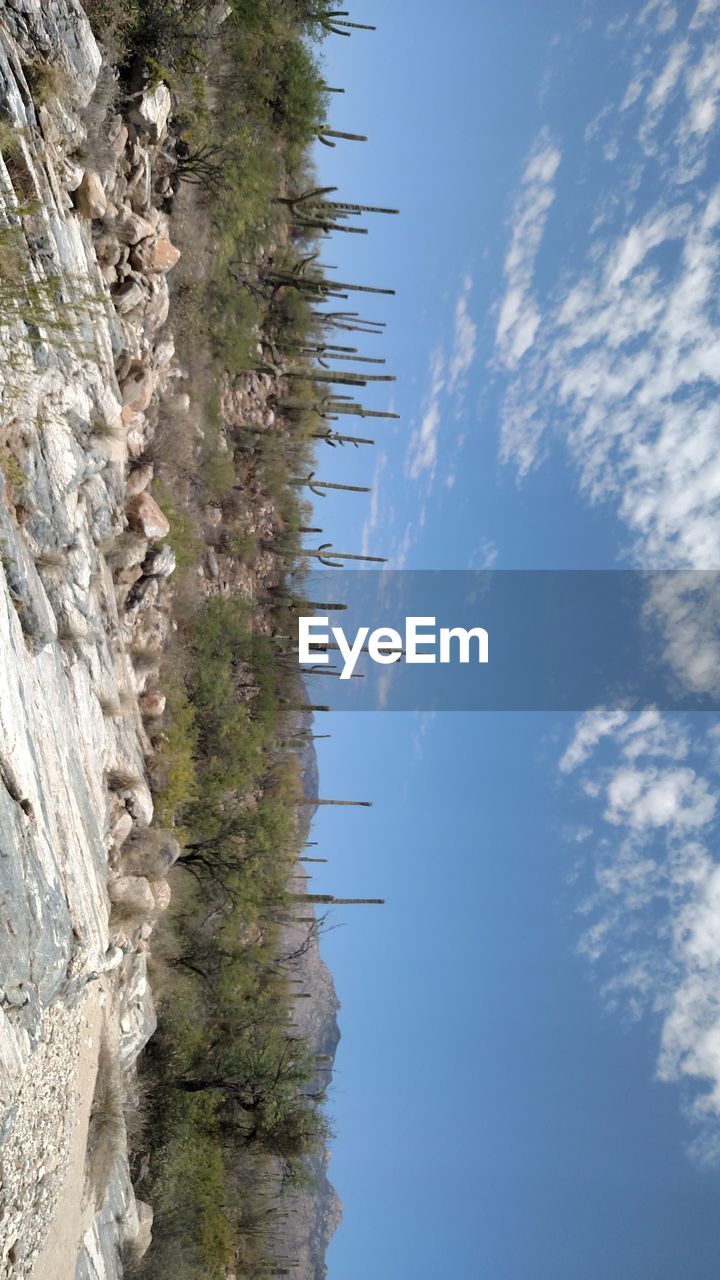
(162, 894)
(143, 1239)
(144, 516)
(137, 389)
(121, 828)
(150, 853)
(157, 307)
(128, 296)
(135, 228)
(152, 113)
(89, 196)
(139, 478)
(152, 704)
(132, 896)
(160, 564)
(128, 550)
(145, 594)
(155, 256)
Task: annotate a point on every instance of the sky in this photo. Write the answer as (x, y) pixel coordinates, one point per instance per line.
(528, 1082)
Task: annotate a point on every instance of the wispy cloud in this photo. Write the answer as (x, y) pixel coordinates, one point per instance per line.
(448, 375)
(623, 357)
(464, 340)
(373, 516)
(652, 913)
(423, 446)
(519, 317)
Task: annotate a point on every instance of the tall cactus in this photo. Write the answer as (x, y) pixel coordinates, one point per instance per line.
(327, 899)
(326, 135)
(362, 804)
(334, 438)
(316, 486)
(329, 557)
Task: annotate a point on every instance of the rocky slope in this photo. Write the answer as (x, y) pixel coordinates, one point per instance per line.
(84, 564)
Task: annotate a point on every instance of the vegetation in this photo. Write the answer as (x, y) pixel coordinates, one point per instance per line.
(237, 1096)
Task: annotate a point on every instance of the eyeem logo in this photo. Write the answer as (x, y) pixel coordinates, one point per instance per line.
(420, 643)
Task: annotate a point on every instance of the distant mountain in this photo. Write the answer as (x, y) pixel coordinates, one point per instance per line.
(314, 1213)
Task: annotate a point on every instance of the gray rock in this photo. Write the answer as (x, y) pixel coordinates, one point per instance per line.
(161, 563)
(128, 296)
(150, 853)
(152, 113)
(89, 197)
(130, 549)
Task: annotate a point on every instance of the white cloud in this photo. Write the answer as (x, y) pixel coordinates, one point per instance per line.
(464, 339)
(653, 913)
(704, 10)
(653, 797)
(623, 357)
(591, 728)
(373, 517)
(423, 446)
(662, 88)
(519, 318)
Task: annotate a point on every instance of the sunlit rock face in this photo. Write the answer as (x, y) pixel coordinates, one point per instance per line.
(64, 660)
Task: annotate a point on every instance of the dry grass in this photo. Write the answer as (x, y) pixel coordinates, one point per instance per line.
(50, 558)
(116, 706)
(107, 1139)
(122, 779)
(48, 83)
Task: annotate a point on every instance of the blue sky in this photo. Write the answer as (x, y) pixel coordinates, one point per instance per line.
(528, 1084)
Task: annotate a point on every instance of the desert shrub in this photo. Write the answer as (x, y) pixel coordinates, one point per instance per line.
(106, 1132)
(49, 83)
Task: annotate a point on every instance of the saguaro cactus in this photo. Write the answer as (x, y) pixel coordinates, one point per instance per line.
(316, 486)
(362, 804)
(327, 899)
(333, 438)
(326, 135)
(330, 558)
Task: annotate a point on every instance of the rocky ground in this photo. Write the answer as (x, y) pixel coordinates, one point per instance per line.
(83, 617)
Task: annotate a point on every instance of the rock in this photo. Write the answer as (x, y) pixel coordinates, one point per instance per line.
(155, 255)
(128, 550)
(213, 516)
(164, 353)
(135, 228)
(152, 113)
(107, 249)
(132, 896)
(137, 1022)
(72, 175)
(157, 307)
(137, 389)
(145, 594)
(152, 704)
(181, 402)
(135, 439)
(89, 196)
(143, 1240)
(161, 563)
(128, 296)
(141, 192)
(144, 516)
(162, 894)
(121, 828)
(128, 577)
(150, 853)
(139, 478)
(119, 142)
(218, 14)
